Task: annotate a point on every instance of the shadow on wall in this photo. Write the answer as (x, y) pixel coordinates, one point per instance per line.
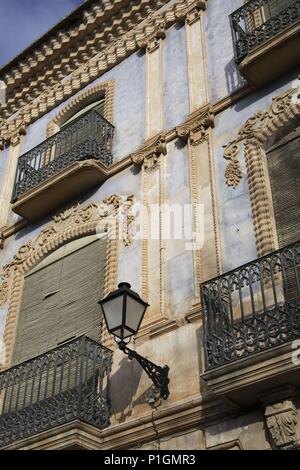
(234, 80)
(123, 387)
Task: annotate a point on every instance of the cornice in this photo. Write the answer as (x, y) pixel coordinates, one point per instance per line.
(95, 67)
(71, 50)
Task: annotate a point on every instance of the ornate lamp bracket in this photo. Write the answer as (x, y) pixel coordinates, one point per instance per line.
(159, 375)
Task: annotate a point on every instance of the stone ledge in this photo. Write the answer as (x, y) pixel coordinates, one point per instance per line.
(243, 381)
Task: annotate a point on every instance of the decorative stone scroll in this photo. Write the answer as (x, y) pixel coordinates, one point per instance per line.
(46, 97)
(255, 136)
(72, 223)
(196, 126)
(151, 152)
(260, 128)
(281, 420)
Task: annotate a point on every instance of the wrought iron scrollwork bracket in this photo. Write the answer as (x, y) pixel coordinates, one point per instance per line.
(159, 375)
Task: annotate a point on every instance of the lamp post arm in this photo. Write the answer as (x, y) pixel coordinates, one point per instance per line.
(159, 375)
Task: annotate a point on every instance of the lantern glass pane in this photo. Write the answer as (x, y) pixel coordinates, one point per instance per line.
(134, 313)
(113, 311)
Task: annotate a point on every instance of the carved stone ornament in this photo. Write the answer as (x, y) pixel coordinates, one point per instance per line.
(258, 129)
(151, 152)
(151, 41)
(191, 13)
(79, 68)
(69, 224)
(196, 126)
(281, 420)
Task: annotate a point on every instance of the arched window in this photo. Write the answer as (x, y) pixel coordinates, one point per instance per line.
(60, 297)
(99, 106)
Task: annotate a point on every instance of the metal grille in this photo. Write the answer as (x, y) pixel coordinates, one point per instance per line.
(252, 308)
(64, 384)
(259, 20)
(88, 137)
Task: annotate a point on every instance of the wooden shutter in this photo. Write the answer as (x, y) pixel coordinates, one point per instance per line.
(60, 299)
(284, 171)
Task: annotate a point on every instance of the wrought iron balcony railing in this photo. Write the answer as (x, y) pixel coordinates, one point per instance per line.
(252, 308)
(87, 137)
(65, 384)
(258, 21)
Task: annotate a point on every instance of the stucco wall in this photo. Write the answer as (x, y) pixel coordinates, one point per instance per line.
(224, 78)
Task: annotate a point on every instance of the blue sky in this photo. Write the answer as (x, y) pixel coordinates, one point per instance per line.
(24, 21)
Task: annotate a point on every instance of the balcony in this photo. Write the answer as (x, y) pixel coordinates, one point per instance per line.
(251, 318)
(64, 166)
(266, 38)
(60, 386)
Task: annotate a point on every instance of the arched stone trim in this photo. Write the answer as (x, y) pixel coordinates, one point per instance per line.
(103, 90)
(258, 133)
(68, 225)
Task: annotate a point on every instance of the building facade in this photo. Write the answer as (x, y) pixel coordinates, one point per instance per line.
(154, 142)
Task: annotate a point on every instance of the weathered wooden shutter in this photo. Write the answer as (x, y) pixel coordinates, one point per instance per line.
(60, 299)
(284, 171)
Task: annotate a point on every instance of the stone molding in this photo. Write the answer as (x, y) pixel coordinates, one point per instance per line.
(72, 46)
(281, 421)
(150, 154)
(255, 136)
(260, 128)
(192, 12)
(195, 127)
(93, 68)
(67, 225)
(192, 414)
(151, 41)
(105, 89)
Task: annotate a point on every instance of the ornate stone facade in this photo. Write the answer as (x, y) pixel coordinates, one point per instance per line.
(176, 100)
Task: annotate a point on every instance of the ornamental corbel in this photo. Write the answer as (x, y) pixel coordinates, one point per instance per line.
(196, 126)
(15, 137)
(151, 42)
(192, 12)
(281, 421)
(150, 155)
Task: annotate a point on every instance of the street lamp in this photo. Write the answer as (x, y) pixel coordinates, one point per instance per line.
(123, 311)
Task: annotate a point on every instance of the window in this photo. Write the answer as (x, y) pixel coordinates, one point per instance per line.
(60, 298)
(284, 171)
(97, 105)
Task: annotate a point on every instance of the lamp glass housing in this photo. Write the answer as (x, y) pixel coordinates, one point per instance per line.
(123, 311)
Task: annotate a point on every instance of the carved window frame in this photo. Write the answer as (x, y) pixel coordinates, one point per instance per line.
(71, 224)
(102, 90)
(254, 138)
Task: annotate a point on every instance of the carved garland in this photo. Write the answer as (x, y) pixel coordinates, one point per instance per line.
(255, 136)
(70, 224)
(105, 89)
(95, 67)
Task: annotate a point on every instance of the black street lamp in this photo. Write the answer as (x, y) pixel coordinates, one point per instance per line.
(123, 311)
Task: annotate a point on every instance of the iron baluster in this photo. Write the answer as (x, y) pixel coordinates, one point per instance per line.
(245, 310)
